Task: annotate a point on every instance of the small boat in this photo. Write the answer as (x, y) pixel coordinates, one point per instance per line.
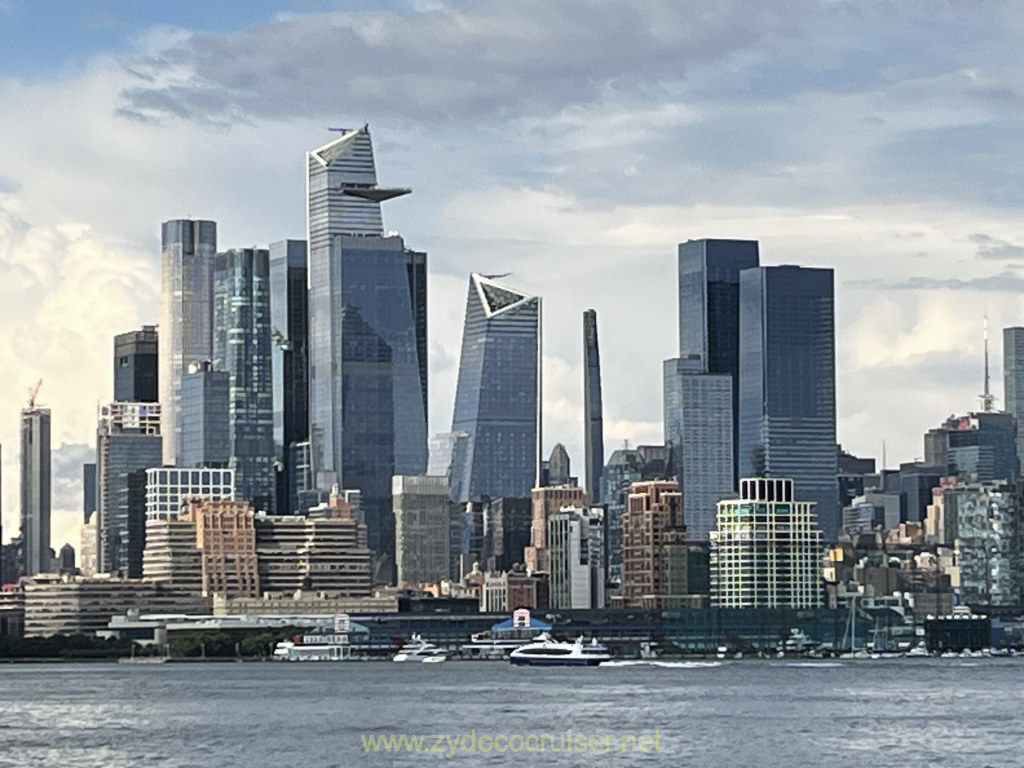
(418, 649)
(546, 651)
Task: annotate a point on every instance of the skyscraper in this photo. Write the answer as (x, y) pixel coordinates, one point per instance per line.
(289, 330)
(186, 316)
(498, 393)
(206, 435)
(787, 383)
(593, 424)
(127, 440)
(136, 356)
(367, 323)
(241, 346)
(35, 488)
(1013, 380)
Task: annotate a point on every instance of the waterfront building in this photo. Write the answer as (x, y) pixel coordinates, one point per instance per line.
(205, 434)
(35, 489)
(172, 555)
(766, 551)
(186, 316)
(127, 440)
(367, 334)
(593, 411)
(226, 540)
(545, 502)
(699, 432)
(168, 489)
(576, 550)
(787, 383)
(136, 355)
(289, 322)
(422, 528)
(497, 396)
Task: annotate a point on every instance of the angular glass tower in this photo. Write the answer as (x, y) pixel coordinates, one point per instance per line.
(135, 366)
(787, 383)
(370, 285)
(206, 437)
(241, 347)
(497, 398)
(186, 316)
(593, 424)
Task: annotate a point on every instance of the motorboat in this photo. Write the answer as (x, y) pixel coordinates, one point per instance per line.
(546, 651)
(418, 649)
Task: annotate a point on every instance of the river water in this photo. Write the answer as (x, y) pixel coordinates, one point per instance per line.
(920, 712)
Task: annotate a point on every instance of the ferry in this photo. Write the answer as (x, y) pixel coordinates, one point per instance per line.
(323, 644)
(505, 636)
(546, 651)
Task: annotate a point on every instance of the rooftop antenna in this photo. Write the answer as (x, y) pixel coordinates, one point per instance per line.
(987, 398)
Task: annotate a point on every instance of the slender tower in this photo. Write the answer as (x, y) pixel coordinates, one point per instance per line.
(988, 400)
(35, 486)
(593, 425)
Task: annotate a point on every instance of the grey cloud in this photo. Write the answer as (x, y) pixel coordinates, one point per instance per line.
(1004, 282)
(67, 475)
(994, 248)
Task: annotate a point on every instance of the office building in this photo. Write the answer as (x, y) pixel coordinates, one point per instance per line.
(576, 549)
(136, 356)
(127, 440)
(206, 433)
(545, 501)
(593, 411)
(367, 334)
(241, 346)
(787, 383)
(186, 317)
(168, 489)
(171, 555)
(1013, 381)
(497, 397)
(327, 555)
(766, 551)
(88, 490)
(556, 470)
(507, 528)
(422, 528)
(289, 330)
(35, 489)
(978, 446)
(226, 540)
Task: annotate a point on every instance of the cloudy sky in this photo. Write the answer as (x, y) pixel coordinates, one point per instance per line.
(571, 143)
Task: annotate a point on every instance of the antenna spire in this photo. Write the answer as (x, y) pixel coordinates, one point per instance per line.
(987, 398)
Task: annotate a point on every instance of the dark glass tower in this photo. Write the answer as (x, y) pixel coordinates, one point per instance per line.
(1013, 380)
(35, 489)
(241, 346)
(289, 321)
(135, 366)
(593, 425)
(205, 408)
(498, 392)
(788, 383)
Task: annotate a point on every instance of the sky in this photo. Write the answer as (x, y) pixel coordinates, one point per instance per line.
(570, 143)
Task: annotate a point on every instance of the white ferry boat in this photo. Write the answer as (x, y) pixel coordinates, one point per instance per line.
(505, 636)
(546, 651)
(418, 649)
(324, 644)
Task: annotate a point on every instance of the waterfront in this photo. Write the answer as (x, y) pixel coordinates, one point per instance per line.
(736, 713)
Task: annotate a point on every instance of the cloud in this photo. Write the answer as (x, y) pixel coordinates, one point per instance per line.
(1004, 282)
(994, 248)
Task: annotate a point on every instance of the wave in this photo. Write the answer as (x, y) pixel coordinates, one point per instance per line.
(660, 663)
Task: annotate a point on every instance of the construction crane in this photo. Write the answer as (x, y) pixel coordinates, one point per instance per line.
(32, 392)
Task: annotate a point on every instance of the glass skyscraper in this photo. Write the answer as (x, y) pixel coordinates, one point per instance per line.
(367, 335)
(135, 366)
(35, 489)
(498, 393)
(1013, 380)
(593, 425)
(241, 347)
(206, 437)
(186, 316)
(787, 383)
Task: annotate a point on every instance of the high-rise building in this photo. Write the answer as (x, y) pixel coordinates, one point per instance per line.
(186, 316)
(766, 551)
(558, 467)
(88, 490)
(788, 383)
(422, 528)
(1013, 382)
(206, 423)
(226, 540)
(169, 489)
(367, 334)
(507, 528)
(35, 489)
(289, 322)
(135, 366)
(171, 554)
(497, 398)
(545, 501)
(978, 446)
(593, 417)
(127, 439)
(241, 346)
(576, 546)
(699, 432)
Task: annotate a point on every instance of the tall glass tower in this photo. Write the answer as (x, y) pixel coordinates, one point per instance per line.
(497, 398)
(241, 347)
(370, 285)
(1013, 380)
(788, 383)
(593, 425)
(35, 489)
(135, 366)
(186, 316)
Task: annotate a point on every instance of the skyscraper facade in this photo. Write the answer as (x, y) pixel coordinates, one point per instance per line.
(367, 334)
(127, 440)
(186, 316)
(136, 355)
(35, 489)
(593, 423)
(206, 433)
(289, 331)
(498, 392)
(787, 383)
(1013, 380)
(241, 346)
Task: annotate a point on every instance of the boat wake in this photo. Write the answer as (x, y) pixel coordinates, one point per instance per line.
(659, 663)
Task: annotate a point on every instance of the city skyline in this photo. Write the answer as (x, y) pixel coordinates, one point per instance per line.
(82, 247)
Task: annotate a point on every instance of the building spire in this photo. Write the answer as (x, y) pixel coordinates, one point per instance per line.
(987, 398)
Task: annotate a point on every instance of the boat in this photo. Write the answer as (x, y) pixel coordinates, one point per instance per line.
(546, 651)
(918, 651)
(505, 636)
(326, 643)
(418, 649)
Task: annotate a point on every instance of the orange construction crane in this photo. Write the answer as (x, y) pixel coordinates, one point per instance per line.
(32, 392)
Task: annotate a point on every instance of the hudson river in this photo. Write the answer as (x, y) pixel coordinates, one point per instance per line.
(913, 712)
